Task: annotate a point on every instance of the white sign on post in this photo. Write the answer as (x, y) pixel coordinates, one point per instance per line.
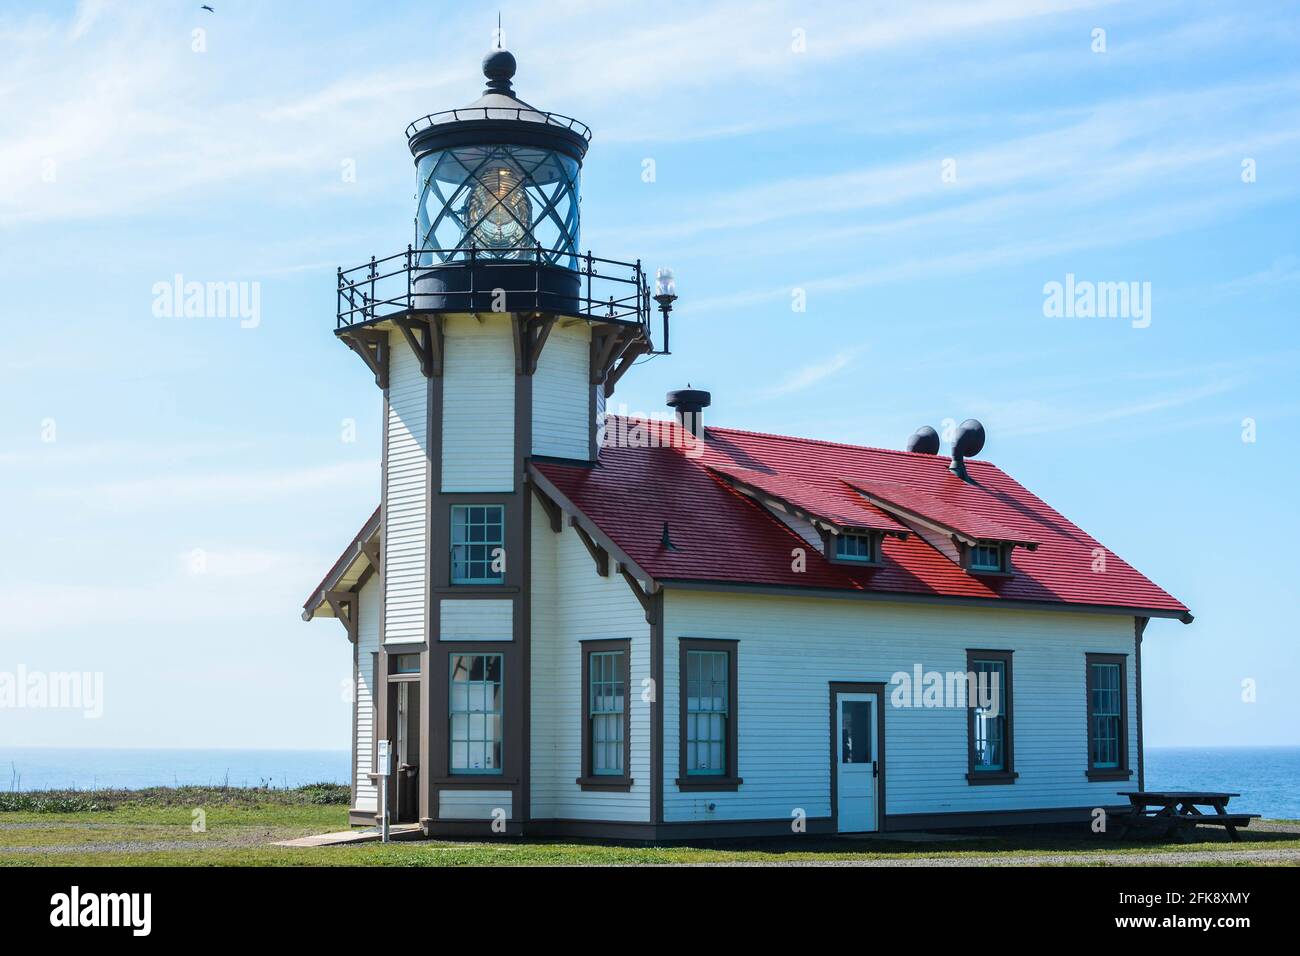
(383, 761)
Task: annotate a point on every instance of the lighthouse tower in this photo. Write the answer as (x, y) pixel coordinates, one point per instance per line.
(496, 340)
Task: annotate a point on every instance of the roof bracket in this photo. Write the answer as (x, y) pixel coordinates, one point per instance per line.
(371, 550)
(344, 603)
(605, 349)
(372, 346)
(553, 510)
(633, 352)
(646, 598)
(536, 333)
(598, 554)
(425, 339)
(530, 335)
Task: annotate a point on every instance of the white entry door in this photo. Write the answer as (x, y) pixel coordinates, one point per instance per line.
(857, 764)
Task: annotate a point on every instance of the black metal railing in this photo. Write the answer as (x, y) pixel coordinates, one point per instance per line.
(499, 112)
(468, 279)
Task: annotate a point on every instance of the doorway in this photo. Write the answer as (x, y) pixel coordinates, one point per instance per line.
(404, 699)
(857, 757)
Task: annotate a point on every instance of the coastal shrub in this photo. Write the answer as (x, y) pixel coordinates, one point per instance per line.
(90, 801)
(47, 802)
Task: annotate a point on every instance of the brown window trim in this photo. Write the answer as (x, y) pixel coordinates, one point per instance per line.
(588, 780)
(1123, 771)
(701, 782)
(991, 777)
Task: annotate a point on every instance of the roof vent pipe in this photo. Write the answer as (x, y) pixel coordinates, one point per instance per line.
(924, 441)
(690, 404)
(968, 443)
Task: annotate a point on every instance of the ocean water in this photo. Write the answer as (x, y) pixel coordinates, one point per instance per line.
(56, 768)
(1268, 778)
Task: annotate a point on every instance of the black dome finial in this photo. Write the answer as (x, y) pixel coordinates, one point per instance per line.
(499, 67)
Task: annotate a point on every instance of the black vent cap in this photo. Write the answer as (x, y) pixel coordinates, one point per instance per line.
(689, 401)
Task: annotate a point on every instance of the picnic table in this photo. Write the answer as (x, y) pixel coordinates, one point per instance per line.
(1165, 812)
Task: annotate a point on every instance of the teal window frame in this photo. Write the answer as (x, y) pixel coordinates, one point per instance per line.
(1105, 715)
(475, 718)
(606, 712)
(708, 710)
(477, 530)
(851, 547)
(991, 731)
(997, 564)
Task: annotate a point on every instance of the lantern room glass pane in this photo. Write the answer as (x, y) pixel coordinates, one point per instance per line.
(505, 202)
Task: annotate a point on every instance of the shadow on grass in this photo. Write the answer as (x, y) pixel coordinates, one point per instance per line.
(980, 842)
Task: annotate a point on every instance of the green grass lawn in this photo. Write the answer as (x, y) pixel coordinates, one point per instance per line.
(155, 828)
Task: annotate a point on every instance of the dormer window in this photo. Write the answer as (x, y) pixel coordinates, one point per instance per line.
(857, 548)
(988, 557)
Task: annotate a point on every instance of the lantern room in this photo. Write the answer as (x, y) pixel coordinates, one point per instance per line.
(497, 228)
(498, 183)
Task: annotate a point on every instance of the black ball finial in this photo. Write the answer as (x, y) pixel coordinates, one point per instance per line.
(499, 67)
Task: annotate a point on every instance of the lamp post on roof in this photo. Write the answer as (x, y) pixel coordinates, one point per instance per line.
(665, 295)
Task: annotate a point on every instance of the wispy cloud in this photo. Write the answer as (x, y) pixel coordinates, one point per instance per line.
(184, 491)
(808, 376)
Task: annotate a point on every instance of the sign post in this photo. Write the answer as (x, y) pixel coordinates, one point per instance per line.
(382, 762)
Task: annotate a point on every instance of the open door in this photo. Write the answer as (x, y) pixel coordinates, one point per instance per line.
(406, 772)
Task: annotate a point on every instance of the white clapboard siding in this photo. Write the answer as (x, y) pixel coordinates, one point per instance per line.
(474, 804)
(478, 405)
(367, 648)
(476, 619)
(572, 603)
(406, 551)
(791, 648)
(562, 394)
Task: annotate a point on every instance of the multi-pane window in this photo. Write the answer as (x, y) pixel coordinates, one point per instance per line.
(1106, 716)
(707, 696)
(477, 544)
(986, 557)
(475, 700)
(606, 705)
(990, 706)
(855, 547)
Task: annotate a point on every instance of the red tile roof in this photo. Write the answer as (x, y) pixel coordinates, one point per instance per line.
(826, 497)
(722, 535)
(964, 508)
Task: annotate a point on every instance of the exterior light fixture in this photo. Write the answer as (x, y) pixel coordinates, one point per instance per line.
(665, 295)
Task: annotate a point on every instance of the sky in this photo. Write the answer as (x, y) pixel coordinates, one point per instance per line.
(863, 204)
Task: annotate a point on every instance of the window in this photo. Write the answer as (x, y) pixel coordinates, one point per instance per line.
(708, 715)
(989, 717)
(855, 547)
(406, 664)
(986, 557)
(1107, 718)
(477, 544)
(475, 710)
(606, 741)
